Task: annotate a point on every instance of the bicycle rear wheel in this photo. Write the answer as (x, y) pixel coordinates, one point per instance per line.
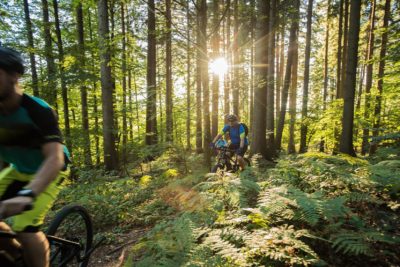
(72, 223)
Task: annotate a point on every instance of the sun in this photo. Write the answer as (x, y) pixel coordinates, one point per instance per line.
(219, 66)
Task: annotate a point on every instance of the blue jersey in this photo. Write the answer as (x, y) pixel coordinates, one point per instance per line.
(235, 133)
(25, 131)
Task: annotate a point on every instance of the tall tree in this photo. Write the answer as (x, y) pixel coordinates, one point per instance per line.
(227, 81)
(188, 78)
(304, 110)
(110, 153)
(124, 86)
(368, 85)
(381, 73)
(151, 102)
(204, 81)
(345, 47)
(169, 92)
(293, 98)
(288, 72)
(236, 59)
(258, 145)
(50, 93)
(339, 49)
(199, 114)
(215, 82)
(31, 44)
(325, 92)
(346, 141)
(83, 89)
(64, 90)
(270, 124)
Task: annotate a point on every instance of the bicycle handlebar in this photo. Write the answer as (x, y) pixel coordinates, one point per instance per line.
(225, 149)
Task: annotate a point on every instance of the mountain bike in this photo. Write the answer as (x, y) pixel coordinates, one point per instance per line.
(227, 160)
(70, 235)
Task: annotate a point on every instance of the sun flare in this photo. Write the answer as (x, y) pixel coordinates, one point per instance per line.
(219, 66)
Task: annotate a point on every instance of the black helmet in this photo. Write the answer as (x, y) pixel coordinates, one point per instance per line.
(11, 60)
(231, 118)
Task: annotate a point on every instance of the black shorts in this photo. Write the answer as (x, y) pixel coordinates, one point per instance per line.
(236, 146)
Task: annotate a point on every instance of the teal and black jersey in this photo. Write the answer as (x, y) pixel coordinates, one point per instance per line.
(23, 133)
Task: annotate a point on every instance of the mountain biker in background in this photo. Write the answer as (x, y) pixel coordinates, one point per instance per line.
(30, 142)
(237, 135)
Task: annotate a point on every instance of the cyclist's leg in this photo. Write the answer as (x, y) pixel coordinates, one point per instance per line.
(240, 156)
(27, 224)
(7, 185)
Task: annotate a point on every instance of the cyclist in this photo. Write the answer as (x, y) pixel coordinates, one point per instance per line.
(30, 142)
(237, 135)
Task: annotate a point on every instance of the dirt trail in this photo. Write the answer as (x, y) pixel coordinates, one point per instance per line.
(115, 254)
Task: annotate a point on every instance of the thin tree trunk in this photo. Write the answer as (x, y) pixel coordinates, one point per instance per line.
(368, 85)
(124, 88)
(270, 125)
(32, 59)
(304, 110)
(110, 153)
(151, 106)
(258, 146)
(227, 80)
(339, 51)
(252, 37)
(188, 79)
(281, 72)
(64, 91)
(215, 82)
(293, 98)
(169, 89)
(326, 70)
(345, 47)
(83, 89)
(235, 89)
(50, 92)
(346, 141)
(292, 46)
(199, 115)
(381, 73)
(204, 82)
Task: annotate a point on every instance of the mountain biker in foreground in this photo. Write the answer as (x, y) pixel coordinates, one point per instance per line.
(30, 142)
(237, 136)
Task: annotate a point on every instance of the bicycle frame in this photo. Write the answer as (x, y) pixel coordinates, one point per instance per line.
(224, 156)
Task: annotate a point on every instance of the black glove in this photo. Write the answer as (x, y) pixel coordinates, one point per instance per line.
(212, 145)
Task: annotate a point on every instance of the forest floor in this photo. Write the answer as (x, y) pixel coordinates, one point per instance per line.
(318, 209)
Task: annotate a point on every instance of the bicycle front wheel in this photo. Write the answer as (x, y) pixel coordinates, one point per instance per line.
(70, 236)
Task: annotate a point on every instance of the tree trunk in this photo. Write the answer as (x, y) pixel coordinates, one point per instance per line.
(293, 98)
(381, 73)
(32, 58)
(304, 110)
(326, 70)
(83, 89)
(199, 114)
(124, 88)
(151, 103)
(110, 153)
(188, 79)
(252, 41)
(290, 58)
(339, 50)
(235, 89)
(204, 82)
(346, 141)
(50, 93)
(345, 47)
(258, 146)
(64, 91)
(270, 125)
(169, 89)
(215, 83)
(227, 80)
(368, 85)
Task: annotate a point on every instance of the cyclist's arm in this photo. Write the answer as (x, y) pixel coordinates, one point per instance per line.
(51, 166)
(217, 138)
(242, 136)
